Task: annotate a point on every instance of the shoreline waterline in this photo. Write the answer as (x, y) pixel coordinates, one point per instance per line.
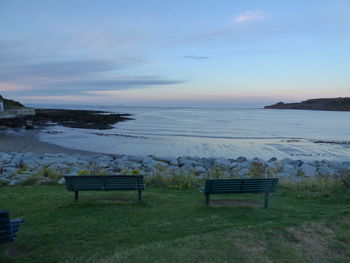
(27, 141)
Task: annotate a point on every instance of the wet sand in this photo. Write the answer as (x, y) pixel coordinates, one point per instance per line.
(23, 141)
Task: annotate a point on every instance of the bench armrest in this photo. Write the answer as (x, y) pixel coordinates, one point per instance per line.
(15, 224)
(17, 221)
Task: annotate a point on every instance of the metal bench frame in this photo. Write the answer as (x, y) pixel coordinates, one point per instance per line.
(8, 227)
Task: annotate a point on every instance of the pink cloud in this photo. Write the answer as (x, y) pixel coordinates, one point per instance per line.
(248, 16)
(5, 86)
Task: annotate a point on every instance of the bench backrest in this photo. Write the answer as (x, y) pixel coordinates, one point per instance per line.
(5, 227)
(222, 186)
(104, 183)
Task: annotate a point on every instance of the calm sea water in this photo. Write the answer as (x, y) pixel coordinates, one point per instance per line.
(205, 132)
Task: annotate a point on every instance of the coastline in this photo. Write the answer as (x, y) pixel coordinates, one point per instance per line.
(152, 135)
(25, 159)
(27, 141)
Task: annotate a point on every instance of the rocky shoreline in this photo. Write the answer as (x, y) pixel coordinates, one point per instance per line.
(17, 168)
(86, 119)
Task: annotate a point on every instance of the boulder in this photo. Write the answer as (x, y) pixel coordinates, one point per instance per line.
(289, 169)
(308, 170)
(44, 180)
(325, 170)
(223, 162)
(61, 181)
(345, 166)
(14, 182)
(281, 175)
(241, 159)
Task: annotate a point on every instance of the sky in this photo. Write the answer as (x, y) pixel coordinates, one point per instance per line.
(174, 53)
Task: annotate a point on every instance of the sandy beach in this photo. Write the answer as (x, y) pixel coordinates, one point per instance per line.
(23, 141)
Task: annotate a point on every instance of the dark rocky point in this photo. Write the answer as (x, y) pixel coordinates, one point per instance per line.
(84, 119)
(327, 104)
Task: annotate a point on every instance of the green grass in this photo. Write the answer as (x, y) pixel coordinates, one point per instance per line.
(174, 226)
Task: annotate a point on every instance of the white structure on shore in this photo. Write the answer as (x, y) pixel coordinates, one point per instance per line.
(16, 113)
(2, 108)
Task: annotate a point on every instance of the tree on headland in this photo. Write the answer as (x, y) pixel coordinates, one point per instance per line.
(11, 104)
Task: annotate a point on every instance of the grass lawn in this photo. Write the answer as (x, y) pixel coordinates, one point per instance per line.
(174, 226)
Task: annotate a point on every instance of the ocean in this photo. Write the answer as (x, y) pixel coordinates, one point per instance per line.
(214, 132)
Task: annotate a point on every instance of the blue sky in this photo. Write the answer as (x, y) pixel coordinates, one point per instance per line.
(160, 52)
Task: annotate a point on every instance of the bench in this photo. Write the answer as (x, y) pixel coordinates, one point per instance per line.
(239, 186)
(104, 183)
(8, 227)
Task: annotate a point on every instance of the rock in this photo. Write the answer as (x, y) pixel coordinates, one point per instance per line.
(325, 170)
(4, 181)
(245, 165)
(289, 169)
(168, 161)
(5, 158)
(275, 165)
(282, 175)
(61, 181)
(286, 161)
(308, 170)
(14, 182)
(187, 162)
(44, 180)
(200, 171)
(273, 159)
(59, 166)
(243, 173)
(134, 159)
(223, 162)
(241, 159)
(296, 163)
(10, 170)
(345, 166)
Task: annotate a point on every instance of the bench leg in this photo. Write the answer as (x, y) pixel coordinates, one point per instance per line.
(207, 199)
(76, 194)
(139, 195)
(266, 205)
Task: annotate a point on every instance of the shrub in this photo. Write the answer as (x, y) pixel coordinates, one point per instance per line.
(49, 173)
(216, 173)
(84, 172)
(95, 168)
(135, 172)
(257, 170)
(312, 186)
(45, 172)
(31, 180)
(3, 182)
(21, 165)
(345, 179)
(174, 181)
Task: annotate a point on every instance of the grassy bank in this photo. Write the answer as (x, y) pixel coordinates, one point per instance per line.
(175, 226)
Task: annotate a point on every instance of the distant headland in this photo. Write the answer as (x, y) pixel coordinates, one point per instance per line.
(327, 104)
